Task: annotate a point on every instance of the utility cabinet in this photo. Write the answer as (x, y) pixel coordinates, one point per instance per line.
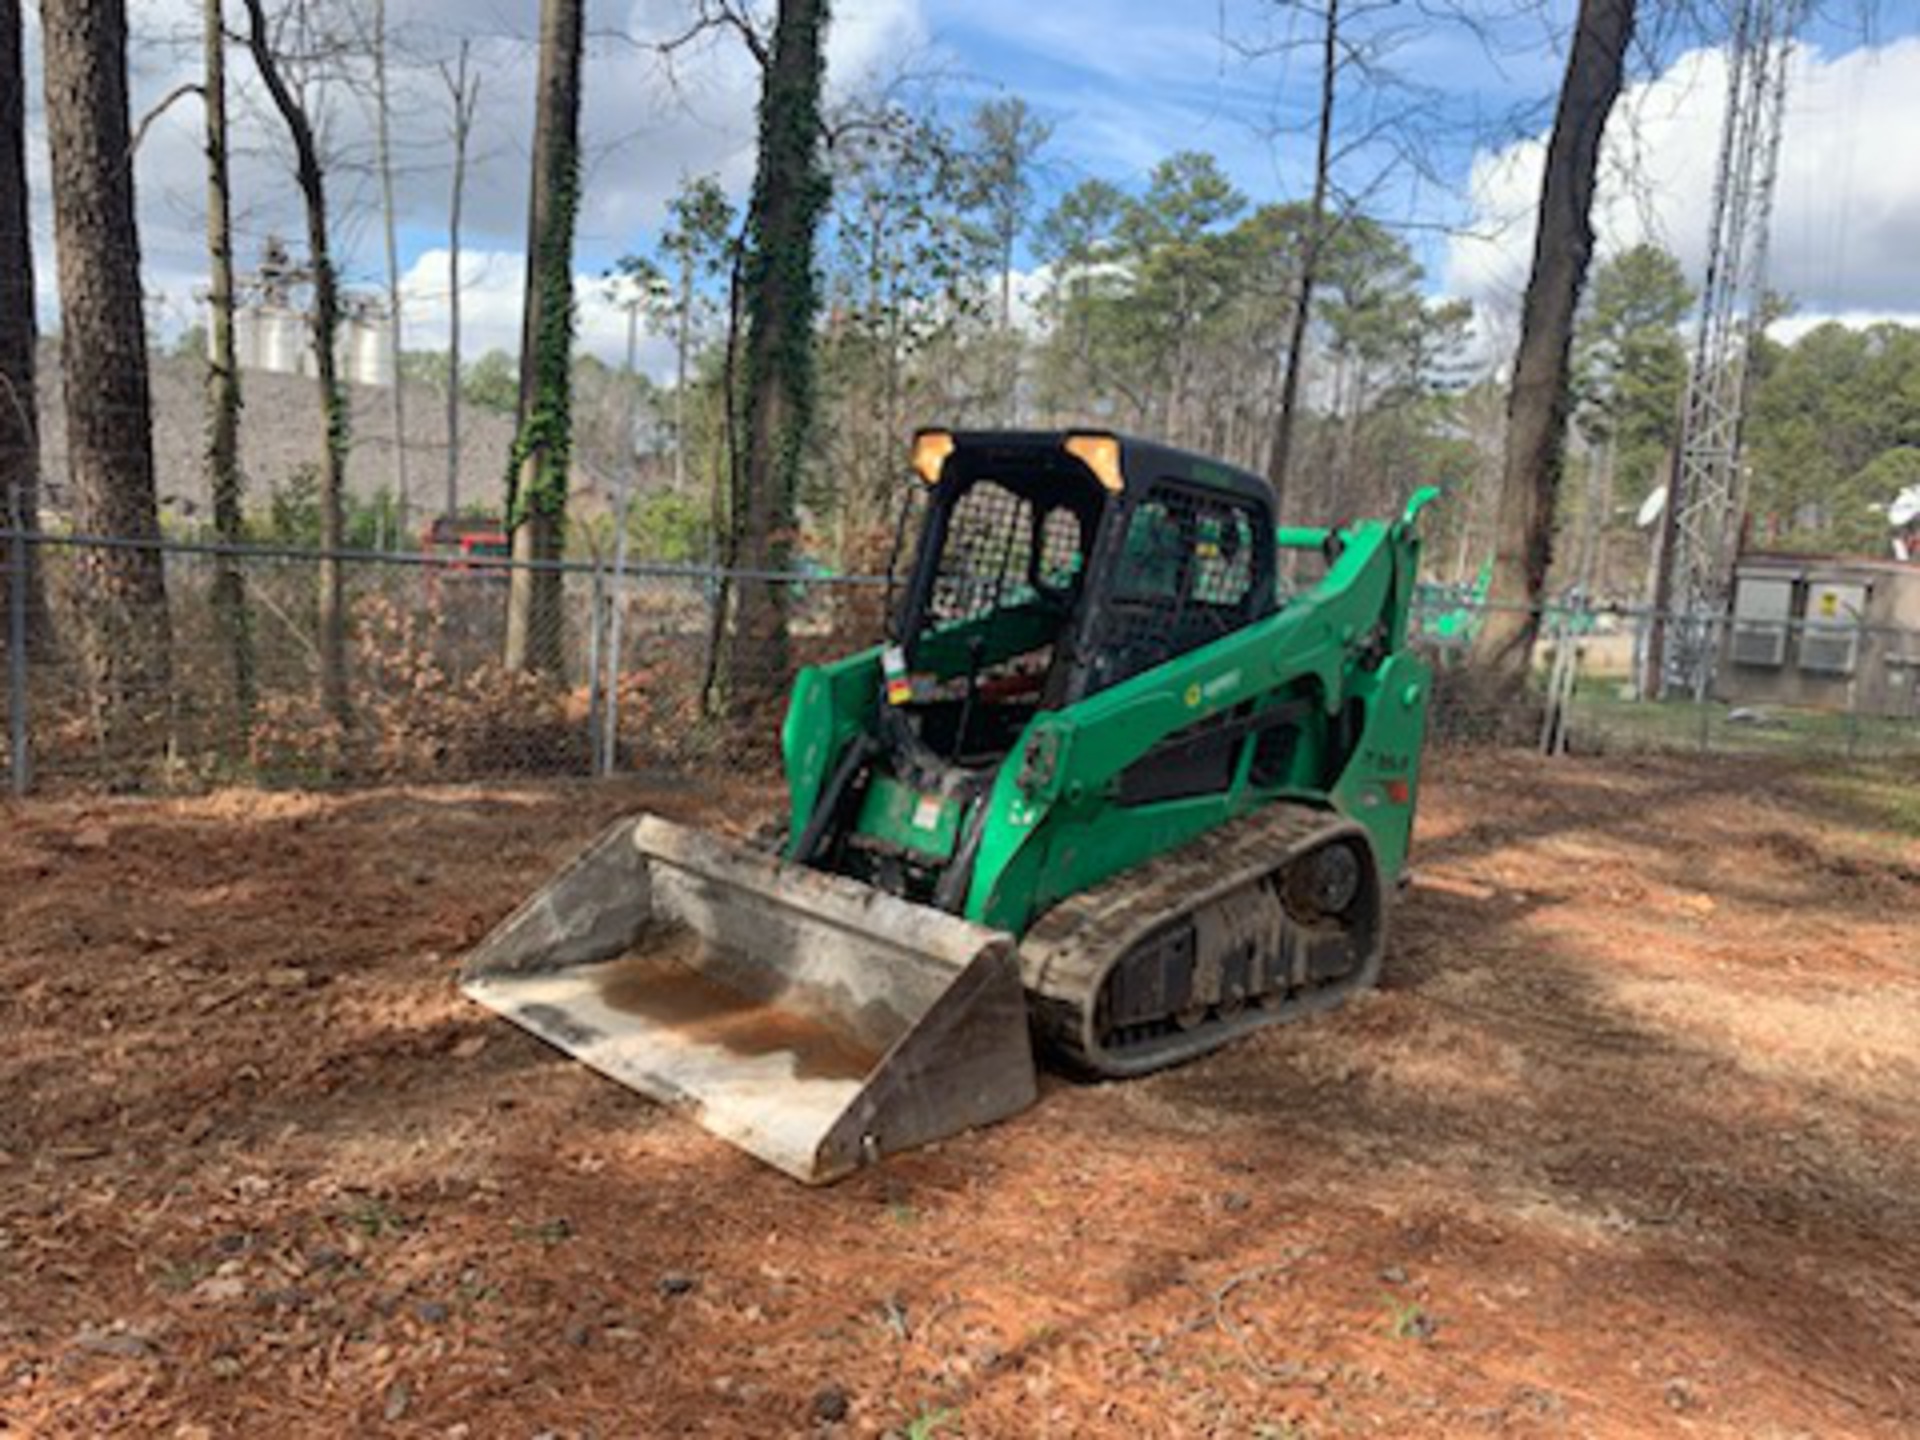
(1831, 632)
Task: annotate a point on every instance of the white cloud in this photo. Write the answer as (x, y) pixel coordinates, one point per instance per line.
(492, 283)
(645, 126)
(1789, 329)
(1846, 211)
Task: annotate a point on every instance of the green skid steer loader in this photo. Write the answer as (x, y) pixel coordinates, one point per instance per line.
(1110, 787)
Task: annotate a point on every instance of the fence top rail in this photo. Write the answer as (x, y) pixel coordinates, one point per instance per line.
(1549, 612)
(606, 569)
(1553, 612)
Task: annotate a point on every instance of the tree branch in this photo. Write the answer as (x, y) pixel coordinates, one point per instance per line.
(166, 103)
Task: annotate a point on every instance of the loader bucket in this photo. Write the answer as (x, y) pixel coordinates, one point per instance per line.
(809, 1019)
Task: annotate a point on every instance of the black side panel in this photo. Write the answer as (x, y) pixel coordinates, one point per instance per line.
(1274, 749)
(1200, 759)
(1196, 761)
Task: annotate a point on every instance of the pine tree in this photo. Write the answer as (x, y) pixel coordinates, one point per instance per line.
(122, 591)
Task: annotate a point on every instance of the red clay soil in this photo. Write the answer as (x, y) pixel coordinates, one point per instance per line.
(1629, 1143)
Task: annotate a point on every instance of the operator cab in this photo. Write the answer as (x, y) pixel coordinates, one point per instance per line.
(1055, 565)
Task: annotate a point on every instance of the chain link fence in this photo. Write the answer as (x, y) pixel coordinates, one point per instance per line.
(426, 694)
(1846, 691)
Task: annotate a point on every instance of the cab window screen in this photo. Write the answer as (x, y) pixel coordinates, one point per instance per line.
(1154, 555)
(1187, 548)
(984, 558)
(1002, 549)
(1185, 577)
(1062, 549)
(1223, 557)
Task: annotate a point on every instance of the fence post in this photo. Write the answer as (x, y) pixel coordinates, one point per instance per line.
(610, 719)
(17, 648)
(1550, 715)
(1860, 658)
(617, 605)
(596, 613)
(1642, 627)
(1709, 642)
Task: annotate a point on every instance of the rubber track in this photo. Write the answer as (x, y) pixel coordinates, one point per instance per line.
(1065, 956)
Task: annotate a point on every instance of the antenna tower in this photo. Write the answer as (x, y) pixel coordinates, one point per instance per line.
(1708, 495)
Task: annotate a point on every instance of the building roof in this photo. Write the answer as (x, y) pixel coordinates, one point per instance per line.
(1803, 560)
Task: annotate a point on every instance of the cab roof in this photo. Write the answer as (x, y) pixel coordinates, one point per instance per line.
(1141, 461)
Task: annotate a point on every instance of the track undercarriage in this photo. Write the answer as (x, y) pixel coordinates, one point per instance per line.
(1269, 918)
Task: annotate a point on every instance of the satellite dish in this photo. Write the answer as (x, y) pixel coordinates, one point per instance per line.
(1905, 509)
(1652, 508)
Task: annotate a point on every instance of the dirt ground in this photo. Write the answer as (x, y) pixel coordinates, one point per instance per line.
(1629, 1143)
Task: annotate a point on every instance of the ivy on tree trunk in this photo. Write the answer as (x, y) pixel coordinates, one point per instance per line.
(790, 193)
(543, 444)
(231, 614)
(1539, 402)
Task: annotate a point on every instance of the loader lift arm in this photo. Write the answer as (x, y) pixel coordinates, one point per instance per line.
(1336, 647)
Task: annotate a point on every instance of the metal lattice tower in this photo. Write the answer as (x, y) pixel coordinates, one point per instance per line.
(1708, 495)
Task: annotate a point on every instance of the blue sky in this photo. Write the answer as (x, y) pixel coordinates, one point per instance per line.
(1126, 82)
(1161, 78)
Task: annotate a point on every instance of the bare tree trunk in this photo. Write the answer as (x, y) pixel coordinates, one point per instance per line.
(537, 484)
(790, 191)
(326, 323)
(685, 342)
(383, 145)
(223, 380)
(1594, 511)
(1538, 402)
(1281, 453)
(19, 417)
(465, 94)
(729, 482)
(1006, 282)
(128, 639)
(1175, 393)
(1343, 495)
(1083, 327)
